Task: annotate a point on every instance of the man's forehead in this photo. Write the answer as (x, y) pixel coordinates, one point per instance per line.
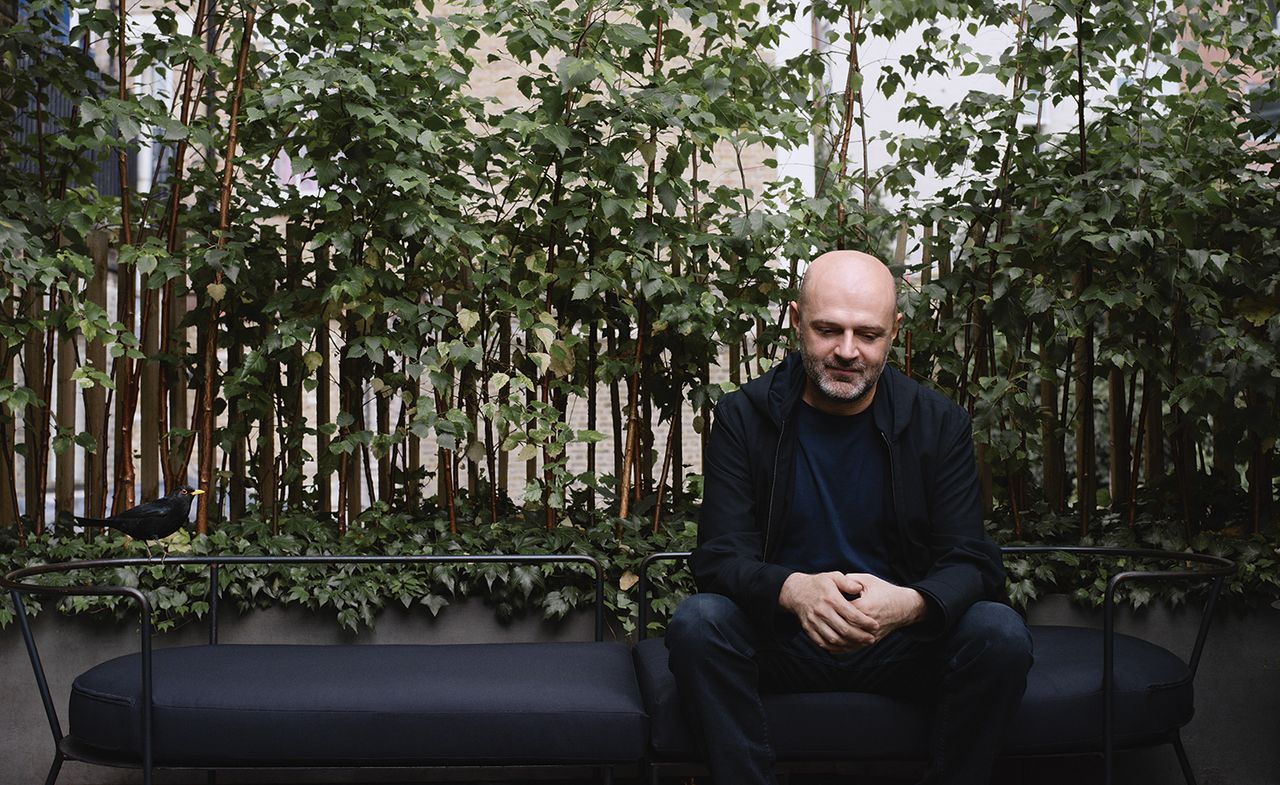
(848, 280)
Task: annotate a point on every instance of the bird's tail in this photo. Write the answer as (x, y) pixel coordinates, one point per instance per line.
(67, 519)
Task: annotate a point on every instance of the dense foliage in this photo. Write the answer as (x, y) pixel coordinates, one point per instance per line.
(354, 597)
(389, 249)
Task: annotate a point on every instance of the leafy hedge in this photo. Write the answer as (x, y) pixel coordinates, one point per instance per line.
(355, 595)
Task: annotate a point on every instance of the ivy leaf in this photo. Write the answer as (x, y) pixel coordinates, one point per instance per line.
(467, 319)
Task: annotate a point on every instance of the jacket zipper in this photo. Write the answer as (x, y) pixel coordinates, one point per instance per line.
(893, 483)
(773, 486)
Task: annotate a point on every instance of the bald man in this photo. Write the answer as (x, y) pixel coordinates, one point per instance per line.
(840, 546)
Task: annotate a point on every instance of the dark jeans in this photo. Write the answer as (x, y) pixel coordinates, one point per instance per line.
(974, 676)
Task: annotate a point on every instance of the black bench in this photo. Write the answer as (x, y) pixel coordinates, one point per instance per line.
(1089, 691)
(528, 706)
(517, 706)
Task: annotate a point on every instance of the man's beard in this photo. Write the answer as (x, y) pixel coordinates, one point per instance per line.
(846, 392)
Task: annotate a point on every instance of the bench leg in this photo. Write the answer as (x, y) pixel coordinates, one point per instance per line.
(1187, 773)
(54, 769)
(211, 777)
(605, 775)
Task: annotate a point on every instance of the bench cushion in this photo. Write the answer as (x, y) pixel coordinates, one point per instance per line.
(527, 703)
(1061, 710)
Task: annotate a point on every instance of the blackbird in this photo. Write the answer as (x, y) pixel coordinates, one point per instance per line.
(151, 520)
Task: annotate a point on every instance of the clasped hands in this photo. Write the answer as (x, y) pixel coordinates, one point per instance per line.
(838, 624)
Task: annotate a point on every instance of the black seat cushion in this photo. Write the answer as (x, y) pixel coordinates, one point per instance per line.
(1061, 710)
(527, 703)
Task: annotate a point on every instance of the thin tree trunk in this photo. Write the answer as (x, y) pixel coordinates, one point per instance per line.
(1137, 455)
(593, 340)
(211, 334)
(126, 393)
(504, 399)
(95, 397)
(633, 424)
(1120, 419)
(414, 463)
(324, 407)
(469, 404)
(615, 394)
(1086, 483)
(382, 411)
(65, 478)
(150, 435)
(125, 289)
(239, 431)
(1261, 494)
(350, 392)
(8, 453)
(1155, 459)
(294, 429)
(1224, 440)
(37, 414)
(445, 471)
(1050, 446)
(268, 482)
(662, 478)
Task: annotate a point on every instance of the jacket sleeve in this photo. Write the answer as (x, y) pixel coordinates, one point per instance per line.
(729, 558)
(966, 565)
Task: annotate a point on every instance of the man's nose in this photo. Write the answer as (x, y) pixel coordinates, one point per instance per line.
(847, 347)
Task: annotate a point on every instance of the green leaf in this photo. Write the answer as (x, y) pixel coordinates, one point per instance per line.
(575, 72)
(557, 135)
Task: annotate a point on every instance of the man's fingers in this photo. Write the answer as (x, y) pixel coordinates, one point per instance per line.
(827, 638)
(850, 583)
(855, 617)
(844, 625)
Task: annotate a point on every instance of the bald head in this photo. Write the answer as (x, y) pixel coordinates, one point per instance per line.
(846, 318)
(849, 274)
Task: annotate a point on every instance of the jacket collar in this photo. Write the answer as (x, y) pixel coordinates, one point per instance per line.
(777, 394)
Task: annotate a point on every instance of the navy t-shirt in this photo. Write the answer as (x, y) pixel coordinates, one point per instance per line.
(840, 503)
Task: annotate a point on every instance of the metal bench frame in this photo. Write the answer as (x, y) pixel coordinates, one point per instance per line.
(20, 582)
(1210, 568)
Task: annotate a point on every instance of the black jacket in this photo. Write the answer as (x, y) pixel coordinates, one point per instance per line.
(937, 546)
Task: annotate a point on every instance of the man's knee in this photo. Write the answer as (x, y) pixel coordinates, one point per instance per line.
(997, 635)
(704, 623)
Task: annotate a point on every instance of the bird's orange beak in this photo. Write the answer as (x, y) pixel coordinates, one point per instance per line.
(197, 492)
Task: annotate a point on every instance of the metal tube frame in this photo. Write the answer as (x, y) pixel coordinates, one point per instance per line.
(1211, 568)
(15, 582)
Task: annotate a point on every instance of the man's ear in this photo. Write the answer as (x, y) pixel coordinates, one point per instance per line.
(897, 324)
(793, 313)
